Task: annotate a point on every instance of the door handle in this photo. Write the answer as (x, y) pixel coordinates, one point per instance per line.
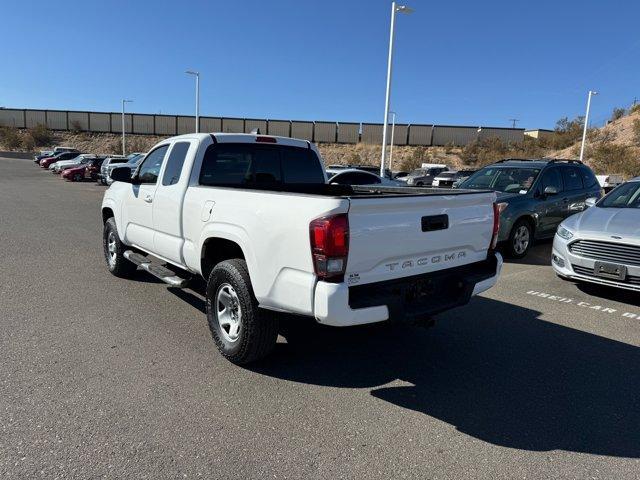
(148, 198)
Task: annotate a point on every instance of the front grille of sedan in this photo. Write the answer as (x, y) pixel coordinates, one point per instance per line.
(606, 251)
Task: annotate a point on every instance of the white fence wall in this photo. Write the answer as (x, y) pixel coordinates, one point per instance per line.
(147, 124)
(56, 120)
(325, 132)
(99, 122)
(279, 128)
(348, 132)
(12, 118)
(303, 130)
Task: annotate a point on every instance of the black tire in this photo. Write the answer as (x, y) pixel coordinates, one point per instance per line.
(517, 246)
(257, 329)
(419, 184)
(117, 264)
(77, 178)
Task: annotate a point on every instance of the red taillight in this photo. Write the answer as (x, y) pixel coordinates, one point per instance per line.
(330, 246)
(266, 140)
(497, 210)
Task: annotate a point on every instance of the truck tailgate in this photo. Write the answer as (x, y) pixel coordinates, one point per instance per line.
(396, 237)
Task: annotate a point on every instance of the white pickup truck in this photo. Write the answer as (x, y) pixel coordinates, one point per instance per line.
(254, 216)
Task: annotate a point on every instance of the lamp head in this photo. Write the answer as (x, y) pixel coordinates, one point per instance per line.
(404, 9)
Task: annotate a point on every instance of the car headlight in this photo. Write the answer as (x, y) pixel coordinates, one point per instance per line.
(564, 233)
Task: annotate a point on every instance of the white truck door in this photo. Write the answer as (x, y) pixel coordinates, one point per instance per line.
(139, 201)
(167, 203)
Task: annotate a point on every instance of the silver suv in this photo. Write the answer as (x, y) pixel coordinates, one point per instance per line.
(105, 170)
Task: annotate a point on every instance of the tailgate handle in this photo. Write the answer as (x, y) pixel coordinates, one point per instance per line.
(435, 222)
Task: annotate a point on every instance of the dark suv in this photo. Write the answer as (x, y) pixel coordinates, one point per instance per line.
(536, 195)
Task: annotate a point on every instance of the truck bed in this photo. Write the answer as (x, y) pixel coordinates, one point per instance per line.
(349, 192)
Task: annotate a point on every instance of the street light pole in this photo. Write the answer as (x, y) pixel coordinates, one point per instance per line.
(394, 9)
(393, 131)
(586, 123)
(197, 75)
(123, 127)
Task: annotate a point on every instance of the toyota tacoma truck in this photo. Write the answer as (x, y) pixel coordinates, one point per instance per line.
(256, 218)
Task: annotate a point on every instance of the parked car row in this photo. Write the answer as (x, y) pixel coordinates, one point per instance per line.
(75, 166)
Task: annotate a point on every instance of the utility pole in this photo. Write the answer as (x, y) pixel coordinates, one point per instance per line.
(394, 9)
(393, 131)
(197, 75)
(123, 127)
(586, 123)
(514, 121)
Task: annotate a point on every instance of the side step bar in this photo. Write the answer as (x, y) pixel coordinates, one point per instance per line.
(159, 271)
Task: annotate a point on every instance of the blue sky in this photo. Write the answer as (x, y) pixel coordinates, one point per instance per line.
(456, 62)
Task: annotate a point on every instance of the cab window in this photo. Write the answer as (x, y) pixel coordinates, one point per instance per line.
(175, 162)
(150, 168)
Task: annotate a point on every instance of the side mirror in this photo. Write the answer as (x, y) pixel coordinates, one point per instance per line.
(550, 191)
(121, 174)
(590, 202)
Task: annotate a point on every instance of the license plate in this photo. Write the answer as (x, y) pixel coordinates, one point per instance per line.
(610, 270)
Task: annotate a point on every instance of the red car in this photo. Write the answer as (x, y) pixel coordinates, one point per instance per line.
(75, 174)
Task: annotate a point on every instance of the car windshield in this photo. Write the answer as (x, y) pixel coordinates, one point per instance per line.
(626, 195)
(502, 179)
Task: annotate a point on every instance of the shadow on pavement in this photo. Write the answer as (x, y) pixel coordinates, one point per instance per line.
(610, 293)
(538, 254)
(493, 370)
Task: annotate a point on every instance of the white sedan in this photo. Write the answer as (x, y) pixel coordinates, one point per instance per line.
(602, 244)
(353, 176)
(81, 159)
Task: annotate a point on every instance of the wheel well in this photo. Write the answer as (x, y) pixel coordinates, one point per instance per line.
(216, 250)
(107, 213)
(529, 219)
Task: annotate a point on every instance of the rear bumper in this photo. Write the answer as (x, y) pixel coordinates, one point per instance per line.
(405, 299)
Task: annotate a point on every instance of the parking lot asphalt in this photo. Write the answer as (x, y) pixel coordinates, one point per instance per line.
(104, 377)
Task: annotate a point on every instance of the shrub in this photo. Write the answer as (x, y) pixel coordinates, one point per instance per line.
(634, 108)
(566, 133)
(419, 154)
(485, 151)
(636, 132)
(28, 144)
(114, 146)
(41, 135)
(617, 113)
(76, 126)
(448, 148)
(9, 138)
(614, 158)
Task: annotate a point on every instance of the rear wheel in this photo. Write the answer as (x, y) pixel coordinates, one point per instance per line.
(241, 330)
(520, 239)
(77, 177)
(114, 251)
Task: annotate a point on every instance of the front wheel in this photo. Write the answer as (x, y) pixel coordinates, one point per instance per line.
(77, 177)
(241, 330)
(114, 251)
(520, 239)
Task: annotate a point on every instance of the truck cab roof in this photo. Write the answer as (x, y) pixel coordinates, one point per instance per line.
(221, 137)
